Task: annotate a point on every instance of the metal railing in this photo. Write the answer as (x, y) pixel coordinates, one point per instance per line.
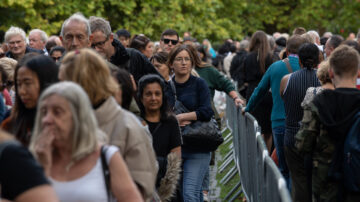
(260, 179)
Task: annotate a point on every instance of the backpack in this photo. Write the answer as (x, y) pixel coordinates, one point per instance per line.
(351, 154)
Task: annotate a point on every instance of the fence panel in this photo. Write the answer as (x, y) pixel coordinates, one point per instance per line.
(261, 180)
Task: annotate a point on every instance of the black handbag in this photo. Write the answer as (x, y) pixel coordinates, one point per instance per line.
(205, 135)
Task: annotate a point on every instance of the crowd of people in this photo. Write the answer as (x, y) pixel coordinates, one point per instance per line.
(92, 115)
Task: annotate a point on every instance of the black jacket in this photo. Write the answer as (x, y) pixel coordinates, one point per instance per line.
(132, 60)
(27, 50)
(337, 109)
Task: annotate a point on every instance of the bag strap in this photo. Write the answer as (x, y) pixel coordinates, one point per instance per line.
(106, 171)
(173, 88)
(288, 66)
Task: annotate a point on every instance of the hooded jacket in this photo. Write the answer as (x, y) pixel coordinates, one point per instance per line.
(325, 124)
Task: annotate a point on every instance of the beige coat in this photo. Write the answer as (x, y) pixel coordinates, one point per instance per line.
(134, 141)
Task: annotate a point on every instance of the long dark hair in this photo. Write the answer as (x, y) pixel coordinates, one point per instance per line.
(143, 82)
(22, 118)
(260, 44)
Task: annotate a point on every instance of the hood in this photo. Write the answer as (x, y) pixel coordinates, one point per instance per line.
(121, 56)
(337, 109)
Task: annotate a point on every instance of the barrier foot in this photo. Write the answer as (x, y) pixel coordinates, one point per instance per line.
(232, 172)
(227, 136)
(237, 194)
(236, 187)
(225, 164)
(229, 154)
(228, 140)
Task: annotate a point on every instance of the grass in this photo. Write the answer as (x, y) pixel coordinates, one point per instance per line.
(225, 189)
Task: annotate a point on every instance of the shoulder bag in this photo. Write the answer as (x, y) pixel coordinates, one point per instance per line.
(205, 135)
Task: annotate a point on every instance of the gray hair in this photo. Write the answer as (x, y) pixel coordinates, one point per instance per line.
(244, 44)
(100, 24)
(13, 31)
(85, 133)
(43, 35)
(271, 40)
(77, 17)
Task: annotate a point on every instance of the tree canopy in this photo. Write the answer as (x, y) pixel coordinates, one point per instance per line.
(212, 19)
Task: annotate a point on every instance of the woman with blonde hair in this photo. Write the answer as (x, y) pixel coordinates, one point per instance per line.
(122, 128)
(66, 142)
(325, 81)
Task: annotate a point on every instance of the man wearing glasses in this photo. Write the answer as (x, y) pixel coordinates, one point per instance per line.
(169, 39)
(103, 41)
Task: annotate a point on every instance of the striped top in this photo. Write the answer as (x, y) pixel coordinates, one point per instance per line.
(293, 95)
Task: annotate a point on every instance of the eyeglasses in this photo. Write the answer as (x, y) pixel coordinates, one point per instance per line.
(179, 60)
(100, 44)
(173, 42)
(56, 58)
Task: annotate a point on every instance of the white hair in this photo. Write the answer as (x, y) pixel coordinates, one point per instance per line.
(43, 35)
(85, 134)
(13, 31)
(77, 17)
(314, 35)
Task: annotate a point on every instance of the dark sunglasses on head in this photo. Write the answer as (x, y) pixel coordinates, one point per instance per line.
(173, 42)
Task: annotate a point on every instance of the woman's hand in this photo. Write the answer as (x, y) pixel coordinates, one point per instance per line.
(182, 118)
(43, 148)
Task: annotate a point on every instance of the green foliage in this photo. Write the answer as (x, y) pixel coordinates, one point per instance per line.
(213, 19)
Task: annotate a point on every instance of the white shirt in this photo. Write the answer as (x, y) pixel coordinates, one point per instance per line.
(88, 188)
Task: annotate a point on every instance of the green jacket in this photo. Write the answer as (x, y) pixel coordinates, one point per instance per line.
(215, 80)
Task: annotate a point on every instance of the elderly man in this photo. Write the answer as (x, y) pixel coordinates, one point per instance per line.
(15, 39)
(38, 39)
(168, 40)
(103, 41)
(143, 173)
(75, 32)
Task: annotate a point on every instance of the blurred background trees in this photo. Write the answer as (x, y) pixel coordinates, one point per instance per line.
(212, 19)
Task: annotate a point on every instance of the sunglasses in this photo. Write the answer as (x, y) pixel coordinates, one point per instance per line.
(173, 42)
(56, 58)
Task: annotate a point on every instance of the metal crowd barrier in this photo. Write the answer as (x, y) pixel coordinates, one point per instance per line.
(260, 179)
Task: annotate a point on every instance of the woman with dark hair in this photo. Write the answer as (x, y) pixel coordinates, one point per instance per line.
(123, 77)
(203, 54)
(159, 61)
(142, 44)
(255, 65)
(293, 89)
(164, 129)
(56, 53)
(194, 95)
(32, 75)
